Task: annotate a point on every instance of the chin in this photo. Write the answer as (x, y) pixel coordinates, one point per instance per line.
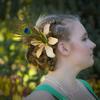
(88, 64)
(91, 63)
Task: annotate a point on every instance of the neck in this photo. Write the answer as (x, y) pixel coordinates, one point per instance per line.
(65, 73)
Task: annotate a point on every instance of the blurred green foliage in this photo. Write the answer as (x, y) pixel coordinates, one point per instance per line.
(17, 77)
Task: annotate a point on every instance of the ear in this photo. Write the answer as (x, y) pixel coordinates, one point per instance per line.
(64, 48)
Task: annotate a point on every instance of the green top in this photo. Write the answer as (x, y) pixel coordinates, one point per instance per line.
(59, 96)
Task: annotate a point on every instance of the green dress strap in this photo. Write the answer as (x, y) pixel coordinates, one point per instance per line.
(89, 88)
(59, 96)
(52, 91)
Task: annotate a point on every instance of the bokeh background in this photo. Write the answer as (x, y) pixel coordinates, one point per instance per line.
(18, 78)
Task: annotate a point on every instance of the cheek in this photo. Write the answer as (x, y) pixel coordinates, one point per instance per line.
(80, 50)
(81, 53)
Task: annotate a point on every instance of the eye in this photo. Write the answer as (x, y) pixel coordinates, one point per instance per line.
(85, 38)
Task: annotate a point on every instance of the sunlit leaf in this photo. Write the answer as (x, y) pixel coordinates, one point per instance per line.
(20, 89)
(17, 37)
(20, 15)
(6, 58)
(19, 73)
(26, 78)
(17, 81)
(32, 71)
(1, 49)
(42, 79)
(3, 30)
(1, 37)
(32, 85)
(12, 47)
(16, 97)
(7, 90)
(7, 86)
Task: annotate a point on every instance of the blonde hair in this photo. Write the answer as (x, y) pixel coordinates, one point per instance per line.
(60, 26)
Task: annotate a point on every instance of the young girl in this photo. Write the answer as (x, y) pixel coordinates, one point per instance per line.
(67, 52)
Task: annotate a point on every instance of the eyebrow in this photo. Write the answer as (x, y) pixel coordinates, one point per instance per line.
(85, 34)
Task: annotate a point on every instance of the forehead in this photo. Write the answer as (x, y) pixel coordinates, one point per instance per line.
(76, 28)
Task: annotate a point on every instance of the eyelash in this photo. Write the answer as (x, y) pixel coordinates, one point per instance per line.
(84, 39)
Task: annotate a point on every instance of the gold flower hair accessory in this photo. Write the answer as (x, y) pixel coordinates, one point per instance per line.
(44, 43)
(31, 35)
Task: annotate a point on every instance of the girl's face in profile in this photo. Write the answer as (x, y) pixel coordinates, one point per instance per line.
(81, 46)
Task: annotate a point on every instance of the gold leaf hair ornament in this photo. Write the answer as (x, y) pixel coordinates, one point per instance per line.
(44, 42)
(31, 35)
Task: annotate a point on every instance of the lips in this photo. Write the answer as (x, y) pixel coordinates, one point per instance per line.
(91, 54)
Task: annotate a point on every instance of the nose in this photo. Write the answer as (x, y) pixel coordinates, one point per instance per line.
(93, 45)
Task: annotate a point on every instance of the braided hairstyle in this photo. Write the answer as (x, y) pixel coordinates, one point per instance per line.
(60, 28)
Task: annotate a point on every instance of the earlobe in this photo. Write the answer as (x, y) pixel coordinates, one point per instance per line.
(63, 48)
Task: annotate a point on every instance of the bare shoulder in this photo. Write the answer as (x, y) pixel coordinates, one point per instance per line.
(39, 95)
